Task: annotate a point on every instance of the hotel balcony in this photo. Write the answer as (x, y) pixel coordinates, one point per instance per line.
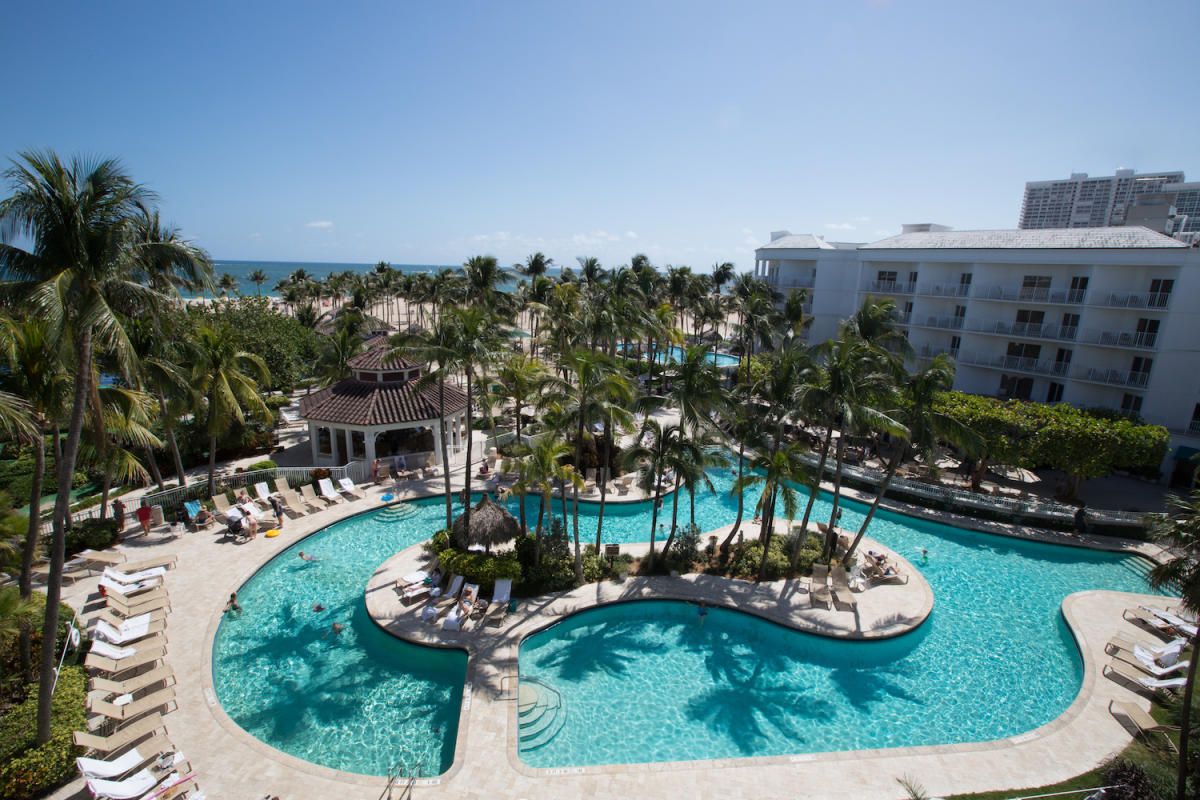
(941, 323)
(1020, 294)
(904, 318)
(889, 287)
(1131, 339)
(1026, 330)
(798, 282)
(944, 290)
(929, 353)
(1116, 377)
(1193, 429)
(1147, 300)
(1016, 364)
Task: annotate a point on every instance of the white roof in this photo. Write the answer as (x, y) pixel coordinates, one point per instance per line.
(1047, 238)
(799, 241)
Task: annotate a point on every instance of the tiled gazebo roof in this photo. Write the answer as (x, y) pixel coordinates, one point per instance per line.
(368, 403)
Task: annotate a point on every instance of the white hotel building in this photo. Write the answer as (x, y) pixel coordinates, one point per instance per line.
(1095, 317)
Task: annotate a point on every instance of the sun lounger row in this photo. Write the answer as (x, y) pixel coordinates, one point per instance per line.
(460, 604)
(130, 690)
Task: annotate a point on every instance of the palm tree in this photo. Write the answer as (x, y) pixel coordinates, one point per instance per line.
(338, 349)
(923, 426)
(228, 380)
(126, 417)
(258, 278)
(227, 284)
(520, 381)
(483, 279)
(78, 219)
(777, 472)
(1179, 534)
(657, 449)
(722, 274)
(540, 471)
(536, 265)
(36, 373)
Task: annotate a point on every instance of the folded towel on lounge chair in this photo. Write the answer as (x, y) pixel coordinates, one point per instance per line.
(114, 574)
(112, 635)
(1143, 660)
(97, 768)
(1174, 620)
(108, 585)
(328, 493)
(347, 487)
(1131, 675)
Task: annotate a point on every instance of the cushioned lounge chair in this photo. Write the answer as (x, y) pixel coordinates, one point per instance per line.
(818, 589)
(129, 635)
(124, 763)
(328, 493)
(1141, 719)
(114, 574)
(125, 735)
(124, 623)
(147, 652)
(1141, 679)
(109, 586)
(1158, 650)
(347, 487)
(139, 785)
(109, 557)
(141, 604)
(1142, 659)
(1148, 621)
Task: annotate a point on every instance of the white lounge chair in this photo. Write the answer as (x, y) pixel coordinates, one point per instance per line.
(347, 487)
(328, 493)
(263, 493)
(166, 562)
(292, 500)
(114, 574)
(1143, 660)
(134, 786)
(501, 597)
(108, 585)
(102, 656)
(137, 683)
(310, 497)
(133, 633)
(126, 762)
(1128, 673)
(1174, 620)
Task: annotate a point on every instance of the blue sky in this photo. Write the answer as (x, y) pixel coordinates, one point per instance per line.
(430, 132)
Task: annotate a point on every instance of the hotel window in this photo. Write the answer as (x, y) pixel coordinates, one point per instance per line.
(1019, 350)
(964, 284)
(1062, 361)
(1194, 426)
(1160, 292)
(912, 280)
(886, 276)
(1055, 393)
(1147, 332)
(1028, 321)
(955, 343)
(1079, 286)
(1035, 287)
(324, 442)
(1131, 404)
(1070, 324)
(960, 313)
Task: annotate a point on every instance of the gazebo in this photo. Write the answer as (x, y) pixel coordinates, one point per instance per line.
(379, 413)
(491, 524)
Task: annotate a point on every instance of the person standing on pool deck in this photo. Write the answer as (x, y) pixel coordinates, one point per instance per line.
(143, 515)
(278, 509)
(118, 510)
(1081, 523)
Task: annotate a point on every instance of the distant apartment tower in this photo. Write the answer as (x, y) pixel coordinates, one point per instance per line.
(1085, 202)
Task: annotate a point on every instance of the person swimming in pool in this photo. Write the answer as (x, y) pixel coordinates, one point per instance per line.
(307, 557)
(702, 612)
(336, 630)
(924, 556)
(318, 607)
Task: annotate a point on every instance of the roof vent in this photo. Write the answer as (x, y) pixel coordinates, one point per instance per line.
(923, 227)
(779, 234)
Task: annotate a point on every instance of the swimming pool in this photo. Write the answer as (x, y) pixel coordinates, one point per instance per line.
(675, 354)
(994, 659)
(362, 701)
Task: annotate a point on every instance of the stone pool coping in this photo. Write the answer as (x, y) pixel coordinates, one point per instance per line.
(230, 762)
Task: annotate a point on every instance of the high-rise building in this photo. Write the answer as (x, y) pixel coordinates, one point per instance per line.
(1186, 205)
(1084, 202)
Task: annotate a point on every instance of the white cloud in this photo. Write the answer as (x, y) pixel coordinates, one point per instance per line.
(748, 231)
(862, 219)
(630, 235)
(881, 232)
(320, 223)
(839, 226)
(255, 235)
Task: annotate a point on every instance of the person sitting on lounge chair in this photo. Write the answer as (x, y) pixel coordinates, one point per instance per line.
(243, 498)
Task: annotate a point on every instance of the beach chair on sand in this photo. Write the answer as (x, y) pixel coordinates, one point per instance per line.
(818, 588)
(841, 589)
(347, 487)
(127, 735)
(501, 597)
(327, 492)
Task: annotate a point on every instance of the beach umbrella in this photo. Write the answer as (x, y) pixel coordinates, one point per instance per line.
(491, 524)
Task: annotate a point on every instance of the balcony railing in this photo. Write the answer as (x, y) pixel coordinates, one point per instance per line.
(945, 290)
(945, 323)
(800, 282)
(1021, 294)
(928, 352)
(1194, 428)
(1142, 340)
(904, 318)
(1147, 300)
(1017, 364)
(889, 287)
(1118, 377)
(1029, 330)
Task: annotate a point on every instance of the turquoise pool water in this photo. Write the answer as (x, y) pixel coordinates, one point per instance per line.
(359, 701)
(994, 659)
(676, 353)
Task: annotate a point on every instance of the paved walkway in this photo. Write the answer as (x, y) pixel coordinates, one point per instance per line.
(232, 764)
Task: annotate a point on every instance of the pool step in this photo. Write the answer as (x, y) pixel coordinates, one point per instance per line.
(540, 714)
(396, 513)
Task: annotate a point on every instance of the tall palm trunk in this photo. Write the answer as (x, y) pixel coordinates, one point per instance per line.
(654, 515)
(602, 477)
(445, 450)
(1185, 720)
(467, 470)
(831, 535)
(812, 497)
(674, 515)
(770, 490)
(575, 493)
(169, 431)
(542, 511)
(893, 465)
(152, 465)
(737, 523)
(25, 580)
(66, 471)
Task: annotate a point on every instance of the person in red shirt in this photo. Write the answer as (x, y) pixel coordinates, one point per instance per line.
(143, 515)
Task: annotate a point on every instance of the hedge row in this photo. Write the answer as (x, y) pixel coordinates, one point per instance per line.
(28, 770)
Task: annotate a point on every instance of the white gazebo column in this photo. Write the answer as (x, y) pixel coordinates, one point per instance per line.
(346, 434)
(438, 428)
(369, 445)
(312, 440)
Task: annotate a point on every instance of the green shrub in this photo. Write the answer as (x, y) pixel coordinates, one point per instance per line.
(746, 561)
(93, 533)
(481, 568)
(278, 401)
(556, 572)
(264, 464)
(685, 548)
(10, 656)
(30, 770)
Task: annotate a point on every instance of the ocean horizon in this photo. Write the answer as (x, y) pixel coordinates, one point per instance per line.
(277, 271)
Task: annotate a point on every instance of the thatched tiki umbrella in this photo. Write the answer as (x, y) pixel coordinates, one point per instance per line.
(491, 524)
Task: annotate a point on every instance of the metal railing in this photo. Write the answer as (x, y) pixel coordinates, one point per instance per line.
(798, 283)
(945, 290)
(1029, 330)
(1026, 294)
(1017, 364)
(1024, 507)
(1137, 300)
(890, 287)
(1117, 377)
(1143, 340)
(945, 323)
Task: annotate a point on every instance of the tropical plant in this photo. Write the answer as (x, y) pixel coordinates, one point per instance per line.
(258, 278)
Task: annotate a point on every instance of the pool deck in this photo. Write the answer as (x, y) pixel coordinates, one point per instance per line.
(232, 764)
